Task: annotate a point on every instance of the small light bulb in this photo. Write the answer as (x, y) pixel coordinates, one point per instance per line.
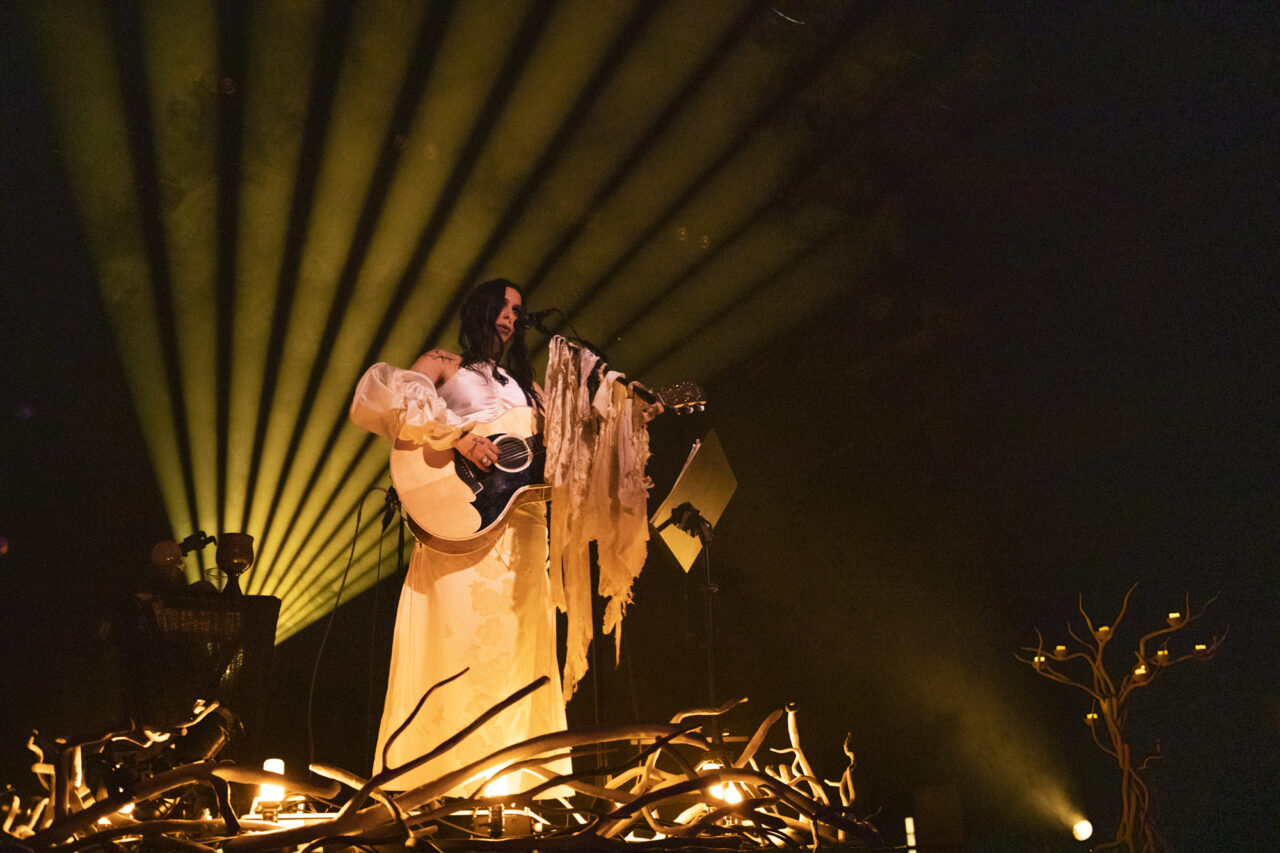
(499, 787)
(269, 792)
(1082, 830)
(727, 792)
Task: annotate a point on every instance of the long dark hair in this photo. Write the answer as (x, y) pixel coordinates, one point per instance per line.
(480, 342)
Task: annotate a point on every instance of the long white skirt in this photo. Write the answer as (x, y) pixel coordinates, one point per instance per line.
(491, 612)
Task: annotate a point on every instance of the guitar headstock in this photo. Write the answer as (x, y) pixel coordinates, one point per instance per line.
(683, 397)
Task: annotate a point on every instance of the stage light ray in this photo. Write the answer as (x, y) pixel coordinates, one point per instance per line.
(774, 307)
(231, 53)
(500, 93)
(328, 300)
(182, 88)
(275, 117)
(519, 208)
(366, 303)
(766, 248)
(325, 577)
(757, 94)
(131, 56)
(75, 48)
(461, 196)
(655, 108)
(728, 198)
(364, 471)
(358, 164)
(277, 195)
(317, 117)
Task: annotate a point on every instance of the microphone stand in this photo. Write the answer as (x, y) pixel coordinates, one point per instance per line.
(687, 518)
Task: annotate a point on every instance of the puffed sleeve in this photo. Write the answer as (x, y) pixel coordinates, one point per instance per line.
(403, 405)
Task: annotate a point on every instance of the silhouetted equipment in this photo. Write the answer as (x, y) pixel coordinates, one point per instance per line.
(178, 648)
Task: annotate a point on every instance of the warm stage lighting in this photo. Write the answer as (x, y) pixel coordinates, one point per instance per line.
(499, 787)
(1082, 830)
(726, 792)
(275, 196)
(270, 796)
(268, 792)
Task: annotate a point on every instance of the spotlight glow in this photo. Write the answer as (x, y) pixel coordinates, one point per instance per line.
(272, 201)
(1082, 831)
(267, 791)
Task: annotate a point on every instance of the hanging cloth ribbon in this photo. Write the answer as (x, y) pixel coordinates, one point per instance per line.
(597, 448)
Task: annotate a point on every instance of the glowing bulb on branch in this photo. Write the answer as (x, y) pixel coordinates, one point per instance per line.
(726, 792)
(498, 787)
(270, 794)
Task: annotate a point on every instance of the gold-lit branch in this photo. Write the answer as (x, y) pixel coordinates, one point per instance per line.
(671, 792)
(1109, 713)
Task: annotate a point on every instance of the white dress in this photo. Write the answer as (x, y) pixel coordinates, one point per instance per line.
(490, 611)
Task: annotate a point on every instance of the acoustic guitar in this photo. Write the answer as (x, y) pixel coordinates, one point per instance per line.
(456, 507)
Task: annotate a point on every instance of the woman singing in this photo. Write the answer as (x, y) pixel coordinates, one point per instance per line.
(489, 611)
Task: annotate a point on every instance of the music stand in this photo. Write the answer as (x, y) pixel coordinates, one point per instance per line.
(686, 516)
(684, 521)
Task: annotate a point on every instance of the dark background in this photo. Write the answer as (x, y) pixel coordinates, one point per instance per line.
(1064, 383)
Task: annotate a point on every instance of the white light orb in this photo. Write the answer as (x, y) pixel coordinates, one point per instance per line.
(268, 792)
(1082, 830)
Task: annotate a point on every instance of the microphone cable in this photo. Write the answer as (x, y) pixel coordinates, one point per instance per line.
(392, 510)
(324, 638)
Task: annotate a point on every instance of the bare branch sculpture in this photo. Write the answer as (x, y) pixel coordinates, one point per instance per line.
(1109, 714)
(666, 794)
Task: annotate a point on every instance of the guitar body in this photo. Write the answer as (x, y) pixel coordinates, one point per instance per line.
(455, 507)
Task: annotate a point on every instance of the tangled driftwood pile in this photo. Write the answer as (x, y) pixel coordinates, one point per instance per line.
(679, 790)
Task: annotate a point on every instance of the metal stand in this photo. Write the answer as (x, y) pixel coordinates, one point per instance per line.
(686, 520)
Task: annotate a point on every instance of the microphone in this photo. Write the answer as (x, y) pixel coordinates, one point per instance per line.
(195, 541)
(533, 320)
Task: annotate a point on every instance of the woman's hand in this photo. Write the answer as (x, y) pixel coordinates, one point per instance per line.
(482, 452)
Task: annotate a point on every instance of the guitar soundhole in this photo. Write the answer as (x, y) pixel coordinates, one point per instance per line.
(513, 454)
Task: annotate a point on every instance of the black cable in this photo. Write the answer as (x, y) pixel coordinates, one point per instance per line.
(324, 638)
(373, 650)
(710, 590)
(392, 510)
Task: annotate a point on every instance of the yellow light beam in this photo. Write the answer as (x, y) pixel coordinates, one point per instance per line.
(78, 64)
